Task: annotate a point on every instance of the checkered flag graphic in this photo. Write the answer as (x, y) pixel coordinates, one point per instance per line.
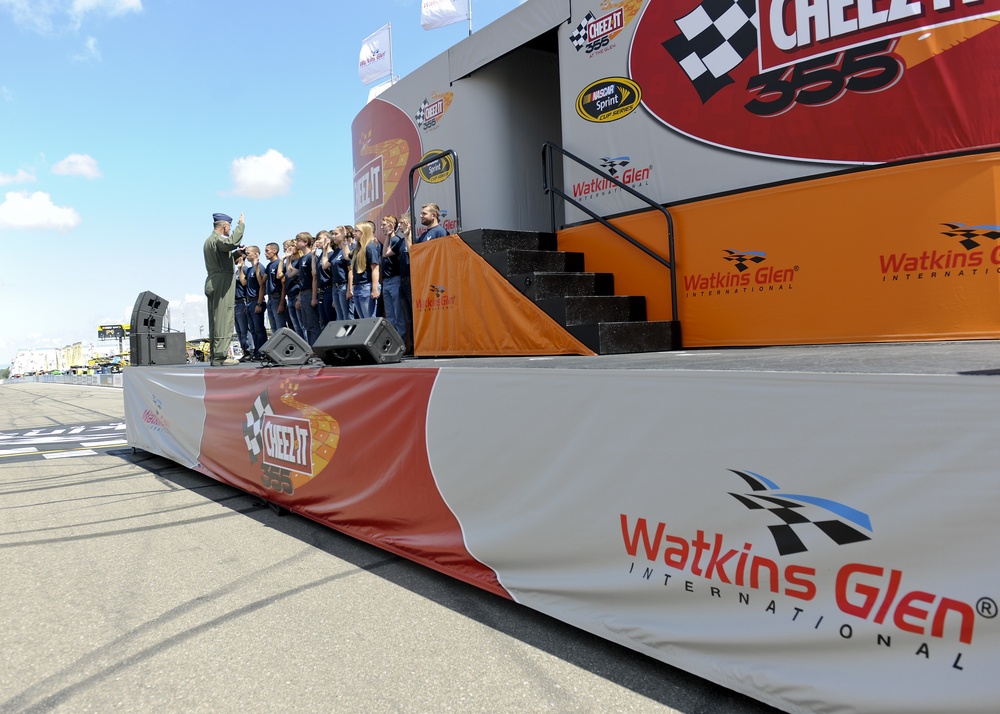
(579, 36)
(419, 116)
(255, 424)
(715, 38)
(970, 234)
(788, 507)
(741, 259)
(611, 165)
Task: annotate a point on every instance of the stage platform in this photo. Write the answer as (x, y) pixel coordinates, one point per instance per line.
(811, 526)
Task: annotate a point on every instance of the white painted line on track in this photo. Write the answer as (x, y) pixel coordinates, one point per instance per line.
(112, 442)
(69, 454)
(25, 450)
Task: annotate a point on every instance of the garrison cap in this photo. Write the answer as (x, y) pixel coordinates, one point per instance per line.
(216, 217)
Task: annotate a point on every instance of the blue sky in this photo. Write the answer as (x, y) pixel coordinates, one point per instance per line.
(127, 123)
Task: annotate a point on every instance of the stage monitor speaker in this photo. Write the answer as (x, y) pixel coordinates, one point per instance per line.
(286, 348)
(160, 349)
(370, 340)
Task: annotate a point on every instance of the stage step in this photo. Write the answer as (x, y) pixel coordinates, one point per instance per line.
(584, 303)
(616, 338)
(538, 286)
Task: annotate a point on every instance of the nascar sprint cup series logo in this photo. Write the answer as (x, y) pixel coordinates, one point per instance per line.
(608, 99)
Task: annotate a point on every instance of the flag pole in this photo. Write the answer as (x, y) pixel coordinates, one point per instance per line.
(390, 52)
(470, 18)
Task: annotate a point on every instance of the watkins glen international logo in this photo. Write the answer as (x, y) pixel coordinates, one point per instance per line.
(827, 591)
(595, 32)
(291, 448)
(620, 167)
(751, 276)
(839, 522)
(977, 255)
(154, 418)
(431, 110)
(440, 300)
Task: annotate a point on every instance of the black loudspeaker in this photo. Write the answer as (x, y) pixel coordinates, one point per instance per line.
(162, 348)
(148, 312)
(286, 348)
(371, 340)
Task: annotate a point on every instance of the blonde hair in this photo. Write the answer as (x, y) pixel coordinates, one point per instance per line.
(367, 235)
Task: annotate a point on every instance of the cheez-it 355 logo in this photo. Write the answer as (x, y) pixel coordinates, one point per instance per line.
(291, 449)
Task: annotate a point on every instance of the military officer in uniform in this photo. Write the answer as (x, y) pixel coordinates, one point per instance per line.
(220, 286)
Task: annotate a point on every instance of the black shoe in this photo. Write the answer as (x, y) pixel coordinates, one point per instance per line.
(245, 358)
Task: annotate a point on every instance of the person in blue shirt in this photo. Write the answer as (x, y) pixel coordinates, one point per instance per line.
(392, 275)
(340, 263)
(272, 288)
(364, 275)
(430, 219)
(252, 279)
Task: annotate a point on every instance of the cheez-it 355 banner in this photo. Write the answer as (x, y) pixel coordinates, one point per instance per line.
(346, 448)
(856, 81)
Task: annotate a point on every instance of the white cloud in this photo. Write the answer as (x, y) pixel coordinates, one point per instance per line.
(40, 15)
(21, 176)
(35, 211)
(112, 7)
(6, 94)
(90, 52)
(78, 165)
(262, 176)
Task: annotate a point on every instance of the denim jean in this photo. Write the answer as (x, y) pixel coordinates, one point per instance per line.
(308, 316)
(277, 319)
(392, 298)
(326, 313)
(293, 315)
(255, 322)
(243, 327)
(364, 304)
(345, 307)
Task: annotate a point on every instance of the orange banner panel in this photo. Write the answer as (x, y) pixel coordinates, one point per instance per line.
(462, 306)
(899, 253)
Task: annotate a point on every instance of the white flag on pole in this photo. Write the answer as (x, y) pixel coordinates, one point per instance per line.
(375, 60)
(438, 13)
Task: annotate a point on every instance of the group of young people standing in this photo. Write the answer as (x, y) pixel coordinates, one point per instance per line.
(346, 273)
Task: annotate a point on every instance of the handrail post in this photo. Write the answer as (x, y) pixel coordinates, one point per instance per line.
(458, 191)
(548, 182)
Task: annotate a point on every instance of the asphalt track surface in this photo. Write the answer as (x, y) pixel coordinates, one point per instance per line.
(132, 584)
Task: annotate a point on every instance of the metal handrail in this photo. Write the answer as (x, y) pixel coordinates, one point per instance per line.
(548, 184)
(458, 192)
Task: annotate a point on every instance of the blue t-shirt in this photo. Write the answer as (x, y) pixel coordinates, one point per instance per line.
(437, 231)
(241, 292)
(339, 267)
(325, 274)
(306, 264)
(272, 284)
(373, 256)
(391, 266)
(252, 287)
(292, 285)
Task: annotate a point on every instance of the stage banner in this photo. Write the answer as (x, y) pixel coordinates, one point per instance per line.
(741, 93)
(440, 13)
(375, 58)
(923, 262)
(463, 306)
(165, 411)
(821, 542)
(343, 447)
